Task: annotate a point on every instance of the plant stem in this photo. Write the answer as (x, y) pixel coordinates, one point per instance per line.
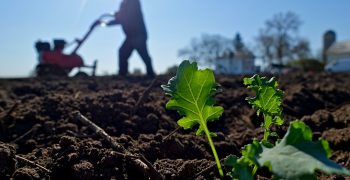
(266, 130)
(20, 158)
(217, 160)
(255, 169)
(266, 135)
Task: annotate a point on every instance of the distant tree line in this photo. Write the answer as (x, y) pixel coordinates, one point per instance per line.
(277, 42)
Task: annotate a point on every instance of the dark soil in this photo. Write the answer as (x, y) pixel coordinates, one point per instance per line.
(37, 123)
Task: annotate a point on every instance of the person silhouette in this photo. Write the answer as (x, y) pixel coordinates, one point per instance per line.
(131, 19)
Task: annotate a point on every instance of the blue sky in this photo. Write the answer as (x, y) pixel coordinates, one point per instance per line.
(171, 25)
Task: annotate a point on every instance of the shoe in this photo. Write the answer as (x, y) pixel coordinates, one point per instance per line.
(121, 76)
(151, 75)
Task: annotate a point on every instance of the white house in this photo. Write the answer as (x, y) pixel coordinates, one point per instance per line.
(338, 50)
(240, 62)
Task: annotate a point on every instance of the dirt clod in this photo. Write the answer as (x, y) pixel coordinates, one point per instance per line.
(26, 174)
(7, 160)
(83, 170)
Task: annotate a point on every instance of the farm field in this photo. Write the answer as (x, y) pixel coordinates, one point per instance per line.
(39, 123)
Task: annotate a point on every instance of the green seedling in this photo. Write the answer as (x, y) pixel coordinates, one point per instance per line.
(191, 92)
(295, 156)
(267, 101)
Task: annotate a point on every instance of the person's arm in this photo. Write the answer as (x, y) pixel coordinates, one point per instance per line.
(115, 21)
(112, 22)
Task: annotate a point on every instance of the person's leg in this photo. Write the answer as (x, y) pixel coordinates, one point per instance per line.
(124, 53)
(141, 48)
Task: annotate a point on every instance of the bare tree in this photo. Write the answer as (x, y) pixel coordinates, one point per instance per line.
(207, 48)
(265, 46)
(301, 50)
(278, 41)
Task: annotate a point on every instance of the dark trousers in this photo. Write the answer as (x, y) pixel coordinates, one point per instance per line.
(139, 44)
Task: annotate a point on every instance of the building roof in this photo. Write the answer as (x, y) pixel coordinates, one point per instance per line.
(342, 47)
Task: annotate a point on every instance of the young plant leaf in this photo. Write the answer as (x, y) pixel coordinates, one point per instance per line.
(245, 167)
(241, 168)
(297, 156)
(191, 92)
(268, 100)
